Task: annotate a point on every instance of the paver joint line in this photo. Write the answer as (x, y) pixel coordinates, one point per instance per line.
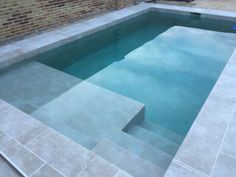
(234, 110)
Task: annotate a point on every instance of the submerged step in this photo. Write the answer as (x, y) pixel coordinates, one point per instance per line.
(99, 113)
(66, 108)
(144, 150)
(168, 134)
(126, 160)
(88, 101)
(153, 139)
(98, 130)
(30, 86)
(61, 126)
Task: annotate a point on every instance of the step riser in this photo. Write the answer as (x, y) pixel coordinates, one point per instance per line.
(153, 139)
(166, 133)
(139, 118)
(127, 161)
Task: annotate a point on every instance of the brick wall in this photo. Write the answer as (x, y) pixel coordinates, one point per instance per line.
(22, 17)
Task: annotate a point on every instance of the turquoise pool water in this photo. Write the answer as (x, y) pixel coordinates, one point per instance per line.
(170, 63)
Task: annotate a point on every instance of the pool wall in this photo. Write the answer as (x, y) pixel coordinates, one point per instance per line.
(208, 149)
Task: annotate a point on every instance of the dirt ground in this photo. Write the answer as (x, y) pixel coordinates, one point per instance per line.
(225, 5)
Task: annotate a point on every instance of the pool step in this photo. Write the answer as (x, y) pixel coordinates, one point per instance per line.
(89, 101)
(144, 150)
(168, 134)
(126, 160)
(98, 130)
(61, 126)
(153, 139)
(32, 85)
(100, 113)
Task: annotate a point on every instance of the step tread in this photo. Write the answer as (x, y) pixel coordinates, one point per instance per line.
(61, 126)
(22, 86)
(99, 129)
(93, 102)
(161, 131)
(153, 139)
(144, 150)
(65, 108)
(126, 160)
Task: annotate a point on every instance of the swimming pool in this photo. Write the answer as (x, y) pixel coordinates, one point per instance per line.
(154, 60)
(168, 62)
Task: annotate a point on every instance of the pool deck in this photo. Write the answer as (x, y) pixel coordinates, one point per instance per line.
(36, 150)
(226, 5)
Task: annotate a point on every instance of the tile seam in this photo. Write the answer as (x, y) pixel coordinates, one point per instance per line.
(188, 167)
(40, 134)
(86, 166)
(33, 154)
(36, 170)
(222, 141)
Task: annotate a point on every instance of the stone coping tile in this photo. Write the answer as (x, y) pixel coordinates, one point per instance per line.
(99, 167)
(17, 154)
(205, 13)
(178, 170)
(229, 144)
(226, 84)
(60, 152)
(18, 124)
(225, 166)
(203, 139)
(46, 171)
(6, 170)
(216, 111)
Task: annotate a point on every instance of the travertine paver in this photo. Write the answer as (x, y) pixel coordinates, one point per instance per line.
(99, 167)
(47, 171)
(6, 170)
(176, 170)
(17, 154)
(229, 144)
(217, 111)
(202, 139)
(18, 124)
(225, 166)
(226, 84)
(61, 153)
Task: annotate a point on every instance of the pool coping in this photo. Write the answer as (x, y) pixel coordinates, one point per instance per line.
(222, 93)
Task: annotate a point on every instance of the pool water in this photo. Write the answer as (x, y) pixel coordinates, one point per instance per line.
(170, 63)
